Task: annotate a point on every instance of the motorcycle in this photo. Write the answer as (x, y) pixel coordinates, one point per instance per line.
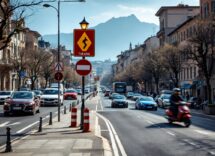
(183, 114)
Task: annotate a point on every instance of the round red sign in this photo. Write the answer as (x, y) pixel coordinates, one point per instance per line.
(58, 76)
(83, 67)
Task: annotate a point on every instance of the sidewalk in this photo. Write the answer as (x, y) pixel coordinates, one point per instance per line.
(59, 139)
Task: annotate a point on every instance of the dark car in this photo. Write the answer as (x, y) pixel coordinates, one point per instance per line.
(22, 101)
(119, 101)
(193, 101)
(146, 102)
(107, 93)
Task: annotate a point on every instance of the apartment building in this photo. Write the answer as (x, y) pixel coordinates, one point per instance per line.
(172, 16)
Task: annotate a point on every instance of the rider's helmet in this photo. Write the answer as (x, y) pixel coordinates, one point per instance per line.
(176, 91)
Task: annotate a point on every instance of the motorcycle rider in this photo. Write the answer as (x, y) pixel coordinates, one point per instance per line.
(175, 98)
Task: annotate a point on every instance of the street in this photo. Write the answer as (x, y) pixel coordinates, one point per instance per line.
(148, 133)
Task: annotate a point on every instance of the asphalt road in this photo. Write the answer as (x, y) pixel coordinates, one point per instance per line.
(147, 133)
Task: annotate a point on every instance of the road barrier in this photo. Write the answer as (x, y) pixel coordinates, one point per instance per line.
(8, 143)
(73, 117)
(64, 109)
(86, 127)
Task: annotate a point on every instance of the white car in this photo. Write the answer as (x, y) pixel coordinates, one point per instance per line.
(4, 95)
(50, 97)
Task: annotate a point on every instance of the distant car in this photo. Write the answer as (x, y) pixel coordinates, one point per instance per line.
(24, 89)
(119, 101)
(113, 95)
(146, 102)
(166, 92)
(79, 91)
(193, 101)
(107, 93)
(136, 96)
(129, 95)
(4, 95)
(50, 97)
(156, 98)
(70, 94)
(22, 101)
(87, 91)
(164, 100)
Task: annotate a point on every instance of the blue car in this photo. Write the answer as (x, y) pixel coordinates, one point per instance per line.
(146, 102)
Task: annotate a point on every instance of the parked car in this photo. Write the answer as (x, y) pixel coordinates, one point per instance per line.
(129, 95)
(70, 94)
(22, 101)
(164, 100)
(4, 95)
(79, 91)
(146, 102)
(156, 98)
(50, 97)
(166, 92)
(119, 101)
(136, 96)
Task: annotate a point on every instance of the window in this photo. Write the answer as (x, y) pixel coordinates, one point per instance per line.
(187, 73)
(213, 6)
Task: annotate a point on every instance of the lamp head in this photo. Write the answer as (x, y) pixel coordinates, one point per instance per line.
(84, 24)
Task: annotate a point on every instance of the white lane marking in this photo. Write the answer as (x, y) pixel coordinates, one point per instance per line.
(113, 142)
(96, 107)
(55, 112)
(170, 133)
(118, 140)
(101, 105)
(211, 152)
(202, 132)
(4, 124)
(138, 117)
(47, 116)
(149, 122)
(20, 131)
(15, 123)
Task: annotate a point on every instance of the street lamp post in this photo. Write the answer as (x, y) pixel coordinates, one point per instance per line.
(58, 47)
(84, 24)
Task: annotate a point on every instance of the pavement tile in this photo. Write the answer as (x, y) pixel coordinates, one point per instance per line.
(83, 144)
(79, 154)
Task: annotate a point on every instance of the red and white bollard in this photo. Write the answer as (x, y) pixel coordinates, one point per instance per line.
(86, 127)
(73, 117)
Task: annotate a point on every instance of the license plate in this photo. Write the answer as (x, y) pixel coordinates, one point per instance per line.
(17, 108)
(149, 107)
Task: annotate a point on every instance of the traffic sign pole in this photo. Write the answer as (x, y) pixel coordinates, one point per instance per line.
(83, 102)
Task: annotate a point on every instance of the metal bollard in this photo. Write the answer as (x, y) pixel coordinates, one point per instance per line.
(8, 144)
(40, 125)
(64, 109)
(70, 107)
(50, 118)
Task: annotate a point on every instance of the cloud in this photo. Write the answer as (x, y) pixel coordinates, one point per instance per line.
(142, 13)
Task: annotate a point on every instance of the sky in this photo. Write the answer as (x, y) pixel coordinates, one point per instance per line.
(44, 20)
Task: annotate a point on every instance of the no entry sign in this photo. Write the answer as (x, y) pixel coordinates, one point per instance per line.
(83, 67)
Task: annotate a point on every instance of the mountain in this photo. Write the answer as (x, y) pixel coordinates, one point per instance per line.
(113, 36)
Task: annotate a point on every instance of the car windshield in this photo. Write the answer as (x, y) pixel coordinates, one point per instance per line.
(136, 94)
(50, 92)
(119, 97)
(70, 91)
(146, 99)
(5, 93)
(130, 93)
(22, 95)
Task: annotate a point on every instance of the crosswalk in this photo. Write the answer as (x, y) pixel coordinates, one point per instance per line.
(8, 123)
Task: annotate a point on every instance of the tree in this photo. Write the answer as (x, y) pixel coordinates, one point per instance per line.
(35, 59)
(172, 61)
(19, 64)
(153, 64)
(200, 48)
(17, 11)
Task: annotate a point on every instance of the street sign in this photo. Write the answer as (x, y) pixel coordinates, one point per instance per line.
(84, 42)
(58, 66)
(58, 76)
(83, 67)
